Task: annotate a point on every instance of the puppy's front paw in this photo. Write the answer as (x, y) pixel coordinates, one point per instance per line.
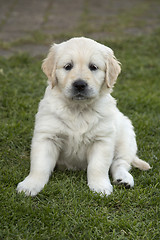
(31, 185)
(104, 187)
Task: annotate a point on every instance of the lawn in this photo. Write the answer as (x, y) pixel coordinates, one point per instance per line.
(66, 208)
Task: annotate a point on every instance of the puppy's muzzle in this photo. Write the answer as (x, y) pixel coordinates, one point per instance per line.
(80, 89)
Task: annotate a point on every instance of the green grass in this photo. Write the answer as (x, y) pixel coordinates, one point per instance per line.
(66, 208)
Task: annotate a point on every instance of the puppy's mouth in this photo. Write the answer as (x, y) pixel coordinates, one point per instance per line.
(79, 96)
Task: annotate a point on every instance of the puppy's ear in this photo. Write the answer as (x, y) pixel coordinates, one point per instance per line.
(49, 65)
(113, 69)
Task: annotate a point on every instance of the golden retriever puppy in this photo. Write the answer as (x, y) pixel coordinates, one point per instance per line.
(78, 125)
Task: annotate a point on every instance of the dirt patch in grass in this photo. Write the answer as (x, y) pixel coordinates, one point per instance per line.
(23, 24)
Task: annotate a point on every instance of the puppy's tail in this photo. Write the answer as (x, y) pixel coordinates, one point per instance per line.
(142, 165)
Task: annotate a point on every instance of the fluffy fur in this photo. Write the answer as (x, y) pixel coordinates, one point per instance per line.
(78, 125)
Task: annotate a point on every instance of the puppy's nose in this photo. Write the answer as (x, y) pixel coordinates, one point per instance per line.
(80, 85)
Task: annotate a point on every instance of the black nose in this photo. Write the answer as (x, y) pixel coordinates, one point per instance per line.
(80, 85)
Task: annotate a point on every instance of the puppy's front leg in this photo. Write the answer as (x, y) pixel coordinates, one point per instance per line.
(99, 161)
(44, 155)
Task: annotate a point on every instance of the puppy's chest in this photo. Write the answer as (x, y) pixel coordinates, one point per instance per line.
(74, 150)
(79, 134)
(78, 138)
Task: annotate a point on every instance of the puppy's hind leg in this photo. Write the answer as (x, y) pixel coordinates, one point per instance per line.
(120, 173)
(125, 153)
(125, 157)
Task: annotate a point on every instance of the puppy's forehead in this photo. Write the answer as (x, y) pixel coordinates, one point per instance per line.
(81, 48)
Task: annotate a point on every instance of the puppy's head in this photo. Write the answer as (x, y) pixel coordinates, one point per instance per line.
(81, 68)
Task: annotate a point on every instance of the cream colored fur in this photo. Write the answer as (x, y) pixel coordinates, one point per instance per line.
(81, 133)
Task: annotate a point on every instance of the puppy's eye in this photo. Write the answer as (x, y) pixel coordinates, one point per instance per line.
(68, 66)
(93, 67)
